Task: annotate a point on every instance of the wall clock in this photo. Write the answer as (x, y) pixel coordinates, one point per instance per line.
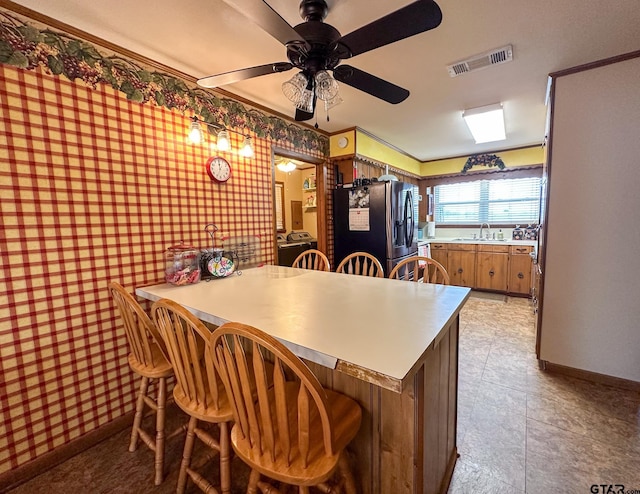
(218, 169)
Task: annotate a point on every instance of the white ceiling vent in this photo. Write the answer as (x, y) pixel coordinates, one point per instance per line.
(477, 62)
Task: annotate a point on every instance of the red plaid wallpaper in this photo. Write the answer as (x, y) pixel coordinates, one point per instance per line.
(94, 188)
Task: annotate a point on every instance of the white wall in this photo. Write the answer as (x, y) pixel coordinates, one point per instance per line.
(591, 311)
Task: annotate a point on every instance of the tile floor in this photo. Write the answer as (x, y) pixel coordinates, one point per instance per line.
(523, 430)
(520, 430)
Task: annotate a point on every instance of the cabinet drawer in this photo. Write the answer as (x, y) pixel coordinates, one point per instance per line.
(493, 248)
(438, 246)
(521, 249)
(465, 247)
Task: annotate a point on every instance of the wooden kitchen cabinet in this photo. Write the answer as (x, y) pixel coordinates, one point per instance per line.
(439, 253)
(492, 267)
(520, 267)
(461, 264)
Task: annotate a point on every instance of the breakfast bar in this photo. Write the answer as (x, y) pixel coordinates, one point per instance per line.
(391, 345)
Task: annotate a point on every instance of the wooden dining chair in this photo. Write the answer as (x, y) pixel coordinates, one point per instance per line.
(147, 358)
(409, 270)
(198, 390)
(312, 259)
(295, 432)
(361, 263)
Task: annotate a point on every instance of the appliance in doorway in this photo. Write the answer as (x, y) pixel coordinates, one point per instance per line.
(379, 218)
(292, 245)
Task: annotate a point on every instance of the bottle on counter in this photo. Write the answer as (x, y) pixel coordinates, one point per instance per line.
(500, 235)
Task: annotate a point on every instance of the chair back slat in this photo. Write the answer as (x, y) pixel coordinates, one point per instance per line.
(247, 393)
(312, 259)
(142, 334)
(409, 269)
(303, 425)
(187, 341)
(304, 418)
(231, 379)
(282, 408)
(361, 263)
(262, 387)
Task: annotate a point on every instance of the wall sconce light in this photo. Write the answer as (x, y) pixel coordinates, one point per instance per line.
(486, 123)
(195, 132)
(247, 148)
(196, 136)
(223, 141)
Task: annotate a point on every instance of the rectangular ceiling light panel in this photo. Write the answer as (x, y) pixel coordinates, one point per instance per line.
(486, 123)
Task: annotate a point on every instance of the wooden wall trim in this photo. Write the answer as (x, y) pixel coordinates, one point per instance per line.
(596, 64)
(616, 382)
(13, 478)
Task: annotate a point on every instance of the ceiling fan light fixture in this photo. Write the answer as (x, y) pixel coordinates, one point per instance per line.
(306, 103)
(247, 148)
(330, 103)
(294, 87)
(326, 86)
(195, 135)
(286, 167)
(486, 123)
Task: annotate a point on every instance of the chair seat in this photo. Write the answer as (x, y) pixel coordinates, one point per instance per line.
(346, 415)
(162, 367)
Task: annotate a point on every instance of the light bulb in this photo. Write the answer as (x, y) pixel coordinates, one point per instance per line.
(223, 140)
(247, 149)
(195, 132)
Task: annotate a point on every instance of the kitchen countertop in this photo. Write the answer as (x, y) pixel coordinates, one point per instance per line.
(458, 240)
(377, 325)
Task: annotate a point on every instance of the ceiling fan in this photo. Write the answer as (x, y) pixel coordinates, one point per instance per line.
(315, 48)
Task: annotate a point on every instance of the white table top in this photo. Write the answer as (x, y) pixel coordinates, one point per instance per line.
(373, 323)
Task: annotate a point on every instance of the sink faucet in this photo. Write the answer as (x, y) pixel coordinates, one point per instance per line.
(488, 229)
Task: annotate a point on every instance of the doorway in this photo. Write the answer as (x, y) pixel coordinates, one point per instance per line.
(297, 205)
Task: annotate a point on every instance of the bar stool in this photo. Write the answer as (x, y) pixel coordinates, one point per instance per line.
(295, 431)
(312, 259)
(409, 269)
(198, 391)
(361, 263)
(147, 359)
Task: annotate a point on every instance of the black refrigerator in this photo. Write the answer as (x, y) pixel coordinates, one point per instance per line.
(380, 218)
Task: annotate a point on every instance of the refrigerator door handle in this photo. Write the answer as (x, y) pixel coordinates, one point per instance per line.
(408, 219)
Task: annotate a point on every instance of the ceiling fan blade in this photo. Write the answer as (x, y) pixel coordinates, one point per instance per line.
(370, 84)
(261, 13)
(413, 19)
(242, 74)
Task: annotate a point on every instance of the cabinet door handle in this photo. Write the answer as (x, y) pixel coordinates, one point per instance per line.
(491, 273)
(460, 270)
(520, 275)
